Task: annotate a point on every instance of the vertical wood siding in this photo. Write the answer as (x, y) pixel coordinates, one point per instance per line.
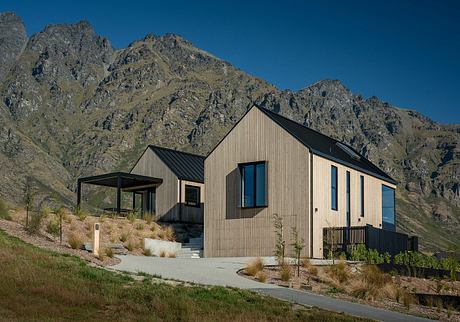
(233, 231)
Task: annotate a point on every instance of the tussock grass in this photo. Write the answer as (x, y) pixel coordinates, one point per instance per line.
(169, 233)
(338, 272)
(56, 287)
(75, 241)
(254, 266)
(109, 252)
(4, 211)
(262, 276)
(285, 271)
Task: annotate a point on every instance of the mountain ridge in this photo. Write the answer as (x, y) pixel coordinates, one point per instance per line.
(82, 107)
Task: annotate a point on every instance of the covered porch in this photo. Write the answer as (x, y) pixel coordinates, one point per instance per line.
(125, 182)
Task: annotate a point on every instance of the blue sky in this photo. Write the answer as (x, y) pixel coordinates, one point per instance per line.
(405, 52)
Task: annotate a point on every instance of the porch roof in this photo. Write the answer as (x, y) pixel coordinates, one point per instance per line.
(121, 180)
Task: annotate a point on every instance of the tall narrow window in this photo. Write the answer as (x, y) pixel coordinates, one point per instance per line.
(388, 208)
(192, 196)
(361, 187)
(334, 188)
(348, 199)
(253, 184)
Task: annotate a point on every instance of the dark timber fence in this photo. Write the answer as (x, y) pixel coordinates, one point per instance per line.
(345, 238)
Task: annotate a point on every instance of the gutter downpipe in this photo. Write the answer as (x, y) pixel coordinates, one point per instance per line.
(311, 204)
(180, 199)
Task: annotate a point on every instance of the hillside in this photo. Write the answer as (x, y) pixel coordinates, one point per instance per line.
(71, 105)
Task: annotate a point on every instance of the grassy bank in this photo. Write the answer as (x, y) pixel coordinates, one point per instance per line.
(37, 284)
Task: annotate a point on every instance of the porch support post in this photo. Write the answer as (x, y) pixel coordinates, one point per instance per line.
(118, 194)
(134, 201)
(78, 193)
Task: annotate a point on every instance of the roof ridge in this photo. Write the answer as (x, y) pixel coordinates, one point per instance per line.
(152, 146)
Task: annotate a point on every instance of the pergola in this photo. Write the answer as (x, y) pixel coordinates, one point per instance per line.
(122, 181)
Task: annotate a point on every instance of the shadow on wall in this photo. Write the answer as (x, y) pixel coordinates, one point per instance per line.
(192, 215)
(233, 208)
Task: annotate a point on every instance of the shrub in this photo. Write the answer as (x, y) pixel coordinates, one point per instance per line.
(370, 256)
(450, 264)
(148, 218)
(124, 237)
(285, 272)
(131, 217)
(313, 270)
(169, 233)
(53, 227)
(109, 252)
(339, 272)
(254, 266)
(81, 214)
(36, 222)
(147, 252)
(4, 211)
(75, 241)
(130, 246)
(140, 226)
(280, 243)
(261, 276)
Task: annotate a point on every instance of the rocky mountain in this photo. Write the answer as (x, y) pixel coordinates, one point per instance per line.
(72, 105)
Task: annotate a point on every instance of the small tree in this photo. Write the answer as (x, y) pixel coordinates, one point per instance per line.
(298, 245)
(60, 213)
(280, 243)
(28, 198)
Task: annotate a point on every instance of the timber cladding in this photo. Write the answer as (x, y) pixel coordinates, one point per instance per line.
(234, 231)
(324, 216)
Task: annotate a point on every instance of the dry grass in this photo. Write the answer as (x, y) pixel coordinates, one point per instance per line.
(172, 255)
(4, 210)
(162, 253)
(41, 285)
(254, 266)
(75, 241)
(148, 218)
(169, 233)
(109, 252)
(147, 252)
(285, 271)
(140, 226)
(262, 276)
(339, 272)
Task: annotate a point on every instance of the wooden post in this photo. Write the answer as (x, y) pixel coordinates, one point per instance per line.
(96, 231)
(118, 194)
(78, 193)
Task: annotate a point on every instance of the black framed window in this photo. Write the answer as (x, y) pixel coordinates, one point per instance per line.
(192, 196)
(388, 208)
(361, 187)
(334, 188)
(253, 184)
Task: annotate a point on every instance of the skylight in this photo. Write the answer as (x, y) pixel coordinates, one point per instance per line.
(348, 151)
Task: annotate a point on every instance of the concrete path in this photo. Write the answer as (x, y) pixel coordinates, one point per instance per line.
(222, 272)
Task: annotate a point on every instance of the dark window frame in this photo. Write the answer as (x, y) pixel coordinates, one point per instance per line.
(198, 204)
(334, 188)
(255, 163)
(361, 183)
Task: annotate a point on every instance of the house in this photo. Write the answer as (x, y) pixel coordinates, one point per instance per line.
(268, 164)
(168, 183)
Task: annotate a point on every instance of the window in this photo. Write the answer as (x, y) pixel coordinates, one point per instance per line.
(334, 187)
(361, 181)
(192, 196)
(253, 184)
(388, 208)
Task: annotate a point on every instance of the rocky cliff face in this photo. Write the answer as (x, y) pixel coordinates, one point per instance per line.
(71, 105)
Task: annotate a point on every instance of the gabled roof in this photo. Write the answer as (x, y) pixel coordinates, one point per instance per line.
(185, 166)
(327, 147)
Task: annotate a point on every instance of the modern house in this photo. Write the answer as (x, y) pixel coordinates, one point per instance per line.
(169, 184)
(268, 164)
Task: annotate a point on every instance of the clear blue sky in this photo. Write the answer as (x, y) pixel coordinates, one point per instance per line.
(405, 52)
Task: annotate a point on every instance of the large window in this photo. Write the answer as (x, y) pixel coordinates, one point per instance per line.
(388, 208)
(253, 184)
(192, 196)
(361, 187)
(334, 187)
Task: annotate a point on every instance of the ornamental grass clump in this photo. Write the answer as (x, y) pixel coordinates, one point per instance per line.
(4, 211)
(75, 241)
(285, 271)
(254, 266)
(338, 272)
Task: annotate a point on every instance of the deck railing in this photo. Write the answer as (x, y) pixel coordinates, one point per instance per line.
(343, 239)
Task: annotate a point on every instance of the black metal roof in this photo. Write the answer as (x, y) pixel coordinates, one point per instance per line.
(127, 180)
(186, 166)
(327, 147)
